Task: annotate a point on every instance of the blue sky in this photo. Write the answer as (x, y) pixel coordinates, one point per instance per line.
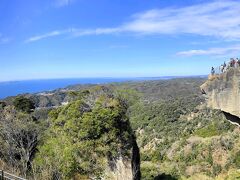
(114, 38)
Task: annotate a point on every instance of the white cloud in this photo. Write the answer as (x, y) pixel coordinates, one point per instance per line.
(98, 31)
(212, 51)
(61, 3)
(43, 36)
(4, 40)
(218, 19)
(73, 32)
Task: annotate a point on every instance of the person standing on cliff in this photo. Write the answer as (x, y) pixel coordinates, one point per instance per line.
(231, 62)
(221, 68)
(212, 71)
(224, 67)
(237, 63)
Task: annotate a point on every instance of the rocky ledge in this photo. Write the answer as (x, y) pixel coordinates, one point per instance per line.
(222, 91)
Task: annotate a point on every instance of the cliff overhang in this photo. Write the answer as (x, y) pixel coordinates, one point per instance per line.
(222, 91)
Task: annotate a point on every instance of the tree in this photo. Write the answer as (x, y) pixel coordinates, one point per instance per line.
(2, 104)
(19, 136)
(23, 104)
(86, 136)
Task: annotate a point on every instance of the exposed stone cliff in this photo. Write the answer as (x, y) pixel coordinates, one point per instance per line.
(223, 91)
(126, 168)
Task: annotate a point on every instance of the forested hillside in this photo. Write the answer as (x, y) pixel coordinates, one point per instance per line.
(178, 136)
(86, 139)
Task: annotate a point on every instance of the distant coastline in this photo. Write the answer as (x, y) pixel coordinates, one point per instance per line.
(13, 88)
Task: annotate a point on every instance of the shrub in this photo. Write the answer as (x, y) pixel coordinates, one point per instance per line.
(84, 137)
(216, 169)
(23, 104)
(237, 159)
(208, 131)
(149, 172)
(2, 104)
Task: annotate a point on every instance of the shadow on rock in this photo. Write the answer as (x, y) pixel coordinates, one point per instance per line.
(165, 177)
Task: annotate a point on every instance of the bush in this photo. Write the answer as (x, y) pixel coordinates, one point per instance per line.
(208, 131)
(2, 105)
(23, 104)
(237, 159)
(217, 169)
(84, 137)
(149, 172)
(19, 137)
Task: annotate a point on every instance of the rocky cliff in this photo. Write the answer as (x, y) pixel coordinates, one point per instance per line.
(125, 168)
(223, 91)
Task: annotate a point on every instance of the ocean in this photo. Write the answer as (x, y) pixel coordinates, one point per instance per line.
(13, 88)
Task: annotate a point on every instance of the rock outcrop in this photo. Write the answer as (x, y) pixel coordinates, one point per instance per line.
(223, 91)
(95, 131)
(126, 168)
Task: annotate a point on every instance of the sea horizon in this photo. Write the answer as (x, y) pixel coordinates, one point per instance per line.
(16, 87)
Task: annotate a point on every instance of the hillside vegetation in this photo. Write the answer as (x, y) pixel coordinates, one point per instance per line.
(85, 139)
(178, 136)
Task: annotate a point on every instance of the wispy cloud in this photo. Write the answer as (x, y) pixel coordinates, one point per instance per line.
(98, 31)
(4, 40)
(74, 33)
(219, 19)
(47, 35)
(61, 3)
(119, 46)
(212, 51)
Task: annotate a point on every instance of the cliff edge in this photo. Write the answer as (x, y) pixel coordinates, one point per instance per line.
(223, 91)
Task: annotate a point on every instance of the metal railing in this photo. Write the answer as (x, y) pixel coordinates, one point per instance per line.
(7, 176)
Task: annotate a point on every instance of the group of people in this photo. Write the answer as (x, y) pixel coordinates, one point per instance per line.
(224, 67)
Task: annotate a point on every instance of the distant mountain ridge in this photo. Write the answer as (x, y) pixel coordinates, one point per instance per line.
(13, 88)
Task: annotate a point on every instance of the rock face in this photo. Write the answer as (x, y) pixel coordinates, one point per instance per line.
(122, 170)
(125, 168)
(223, 91)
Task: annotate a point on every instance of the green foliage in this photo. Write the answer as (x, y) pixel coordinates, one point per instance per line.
(149, 172)
(83, 137)
(161, 118)
(74, 95)
(129, 96)
(237, 159)
(208, 131)
(217, 169)
(209, 156)
(175, 132)
(156, 156)
(233, 175)
(2, 105)
(19, 137)
(23, 104)
(214, 129)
